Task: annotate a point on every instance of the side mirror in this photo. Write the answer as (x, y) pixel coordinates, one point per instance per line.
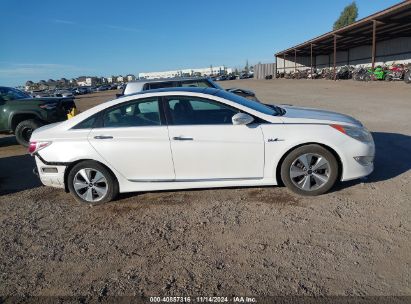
(242, 119)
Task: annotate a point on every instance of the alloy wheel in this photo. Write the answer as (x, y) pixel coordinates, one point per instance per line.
(310, 171)
(90, 184)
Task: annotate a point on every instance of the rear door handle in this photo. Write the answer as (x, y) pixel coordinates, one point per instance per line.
(182, 138)
(103, 137)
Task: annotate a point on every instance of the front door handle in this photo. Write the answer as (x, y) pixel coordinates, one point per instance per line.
(103, 137)
(182, 138)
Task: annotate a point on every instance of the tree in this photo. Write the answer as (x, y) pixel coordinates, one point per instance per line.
(348, 16)
(246, 68)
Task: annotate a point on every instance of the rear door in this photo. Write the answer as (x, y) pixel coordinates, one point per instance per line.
(207, 146)
(134, 140)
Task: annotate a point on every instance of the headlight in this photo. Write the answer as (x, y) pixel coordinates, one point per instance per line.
(358, 133)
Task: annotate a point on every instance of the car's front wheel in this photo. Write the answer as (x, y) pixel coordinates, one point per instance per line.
(309, 170)
(92, 183)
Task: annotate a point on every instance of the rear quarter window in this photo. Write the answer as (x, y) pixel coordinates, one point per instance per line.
(88, 123)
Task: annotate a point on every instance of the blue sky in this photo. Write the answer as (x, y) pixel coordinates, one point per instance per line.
(54, 39)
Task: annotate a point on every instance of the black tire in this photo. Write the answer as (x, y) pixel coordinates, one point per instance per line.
(111, 182)
(312, 149)
(24, 130)
(407, 77)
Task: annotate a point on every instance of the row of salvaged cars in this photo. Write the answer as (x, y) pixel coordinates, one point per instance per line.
(70, 92)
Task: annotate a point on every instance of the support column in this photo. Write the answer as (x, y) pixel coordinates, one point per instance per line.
(311, 61)
(284, 63)
(373, 48)
(295, 60)
(276, 67)
(335, 56)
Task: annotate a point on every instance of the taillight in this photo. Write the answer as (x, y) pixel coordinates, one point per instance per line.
(37, 146)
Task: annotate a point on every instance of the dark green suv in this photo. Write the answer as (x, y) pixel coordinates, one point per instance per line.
(21, 114)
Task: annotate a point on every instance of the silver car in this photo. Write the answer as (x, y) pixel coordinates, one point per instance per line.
(200, 82)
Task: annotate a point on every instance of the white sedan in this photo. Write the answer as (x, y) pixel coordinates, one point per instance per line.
(184, 138)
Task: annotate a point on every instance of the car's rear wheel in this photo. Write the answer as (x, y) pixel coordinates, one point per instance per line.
(92, 183)
(24, 130)
(309, 170)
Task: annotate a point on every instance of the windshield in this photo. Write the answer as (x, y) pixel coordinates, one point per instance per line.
(215, 84)
(7, 94)
(247, 103)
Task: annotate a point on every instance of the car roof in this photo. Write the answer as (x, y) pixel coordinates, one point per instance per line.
(209, 91)
(170, 79)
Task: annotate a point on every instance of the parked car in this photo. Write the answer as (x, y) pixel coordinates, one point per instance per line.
(246, 75)
(63, 93)
(82, 90)
(221, 78)
(180, 138)
(102, 88)
(21, 114)
(206, 82)
(40, 93)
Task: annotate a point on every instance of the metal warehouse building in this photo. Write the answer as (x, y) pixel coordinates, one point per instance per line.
(382, 37)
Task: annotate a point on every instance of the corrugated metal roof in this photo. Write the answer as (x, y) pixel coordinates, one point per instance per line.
(392, 22)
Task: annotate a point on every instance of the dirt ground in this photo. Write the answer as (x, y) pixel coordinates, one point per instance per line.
(356, 240)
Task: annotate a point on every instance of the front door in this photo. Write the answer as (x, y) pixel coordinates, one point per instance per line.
(134, 141)
(207, 146)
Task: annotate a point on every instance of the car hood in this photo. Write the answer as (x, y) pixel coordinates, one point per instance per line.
(316, 115)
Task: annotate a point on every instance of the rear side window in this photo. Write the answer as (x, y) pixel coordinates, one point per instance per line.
(87, 123)
(133, 114)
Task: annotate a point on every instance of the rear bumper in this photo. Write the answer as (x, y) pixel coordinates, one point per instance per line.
(50, 175)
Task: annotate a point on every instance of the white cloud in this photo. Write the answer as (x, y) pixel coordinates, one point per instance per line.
(63, 21)
(123, 28)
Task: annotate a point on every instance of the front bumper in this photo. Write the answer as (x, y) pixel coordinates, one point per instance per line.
(50, 175)
(353, 169)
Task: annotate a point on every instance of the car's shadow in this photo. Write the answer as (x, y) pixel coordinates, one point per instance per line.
(8, 141)
(393, 155)
(393, 158)
(16, 174)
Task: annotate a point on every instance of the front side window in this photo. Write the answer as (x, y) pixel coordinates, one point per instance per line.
(199, 111)
(133, 114)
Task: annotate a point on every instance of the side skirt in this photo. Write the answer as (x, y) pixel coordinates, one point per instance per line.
(133, 186)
